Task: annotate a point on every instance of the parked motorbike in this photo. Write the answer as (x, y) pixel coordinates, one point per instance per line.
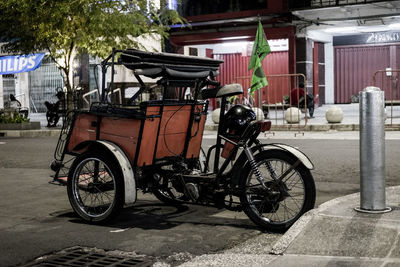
(155, 146)
(55, 110)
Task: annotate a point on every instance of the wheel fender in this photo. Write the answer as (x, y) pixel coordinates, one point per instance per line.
(242, 160)
(292, 150)
(129, 178)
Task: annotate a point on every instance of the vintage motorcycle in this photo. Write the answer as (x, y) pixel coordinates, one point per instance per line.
(155, 146)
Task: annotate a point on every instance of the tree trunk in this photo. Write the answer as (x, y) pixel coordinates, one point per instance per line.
(70, 89)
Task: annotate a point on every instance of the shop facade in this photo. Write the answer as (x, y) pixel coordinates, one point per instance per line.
(358, 58)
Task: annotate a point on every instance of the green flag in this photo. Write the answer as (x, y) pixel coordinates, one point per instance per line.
(258, 80)
(260, 50)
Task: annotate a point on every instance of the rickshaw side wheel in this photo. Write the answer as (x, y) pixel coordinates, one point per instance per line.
(95, 187)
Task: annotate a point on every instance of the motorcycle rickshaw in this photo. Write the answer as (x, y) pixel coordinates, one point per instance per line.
(155, 146)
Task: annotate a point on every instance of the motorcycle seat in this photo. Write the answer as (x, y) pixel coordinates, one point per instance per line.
(230, 90)
(224, 91)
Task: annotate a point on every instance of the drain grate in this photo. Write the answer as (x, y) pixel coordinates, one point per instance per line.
(90, 257)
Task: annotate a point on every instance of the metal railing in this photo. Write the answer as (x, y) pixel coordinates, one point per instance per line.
(389, 81)
(117, 90)
(21, 98)
(281, 93)
(42, 83)
(88, 101)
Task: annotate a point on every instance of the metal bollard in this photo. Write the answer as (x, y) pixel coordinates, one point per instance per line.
(372, 151)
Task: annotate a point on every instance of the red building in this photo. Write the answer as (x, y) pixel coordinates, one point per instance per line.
(218, 22)
(336, 45)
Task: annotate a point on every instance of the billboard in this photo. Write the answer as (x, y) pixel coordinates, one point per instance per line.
(20, 63)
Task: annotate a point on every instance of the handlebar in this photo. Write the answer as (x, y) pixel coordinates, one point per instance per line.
(213, 83)
(210, 92)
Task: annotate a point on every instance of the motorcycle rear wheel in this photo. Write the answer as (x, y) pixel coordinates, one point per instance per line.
(166, 192)
(169, 195)
(277, 209)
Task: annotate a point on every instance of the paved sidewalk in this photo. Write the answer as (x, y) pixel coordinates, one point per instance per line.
(316, 124)
(334, 234)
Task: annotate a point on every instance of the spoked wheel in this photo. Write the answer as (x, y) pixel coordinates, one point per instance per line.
(95, 187)
(166, 192)
(286, 200)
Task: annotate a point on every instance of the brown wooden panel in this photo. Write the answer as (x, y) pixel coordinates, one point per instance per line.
(173, 130)
(196, 135)
(149, 137)
(125, 132)
(82, 130)
(122, 132)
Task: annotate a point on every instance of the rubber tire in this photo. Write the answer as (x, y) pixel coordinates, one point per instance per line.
(309, 187)
(201, 161)
(116, 171)
(179, 200)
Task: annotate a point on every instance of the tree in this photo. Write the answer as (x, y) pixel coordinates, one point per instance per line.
(65, 28)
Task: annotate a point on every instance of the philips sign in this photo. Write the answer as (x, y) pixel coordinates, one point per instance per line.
(22, 63)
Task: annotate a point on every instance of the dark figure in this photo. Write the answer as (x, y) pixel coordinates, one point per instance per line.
(298, 96)
(14, 103)
(53, 110)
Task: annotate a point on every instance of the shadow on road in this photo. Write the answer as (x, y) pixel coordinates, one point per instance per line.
(160, 216)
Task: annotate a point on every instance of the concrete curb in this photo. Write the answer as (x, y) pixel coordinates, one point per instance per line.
(32, 125)
(276, 256)
(284, 242)
(31, 133)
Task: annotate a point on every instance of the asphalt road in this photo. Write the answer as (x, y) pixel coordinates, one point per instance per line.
(36, 218)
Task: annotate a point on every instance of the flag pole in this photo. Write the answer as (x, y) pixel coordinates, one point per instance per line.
(260, 50)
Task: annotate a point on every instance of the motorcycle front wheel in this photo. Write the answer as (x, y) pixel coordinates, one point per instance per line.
(95, 187)
(278, 207)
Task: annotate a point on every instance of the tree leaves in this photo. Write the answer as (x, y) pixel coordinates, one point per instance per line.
(66, 27)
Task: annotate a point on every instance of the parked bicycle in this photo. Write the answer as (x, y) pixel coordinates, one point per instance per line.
(155, 146)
